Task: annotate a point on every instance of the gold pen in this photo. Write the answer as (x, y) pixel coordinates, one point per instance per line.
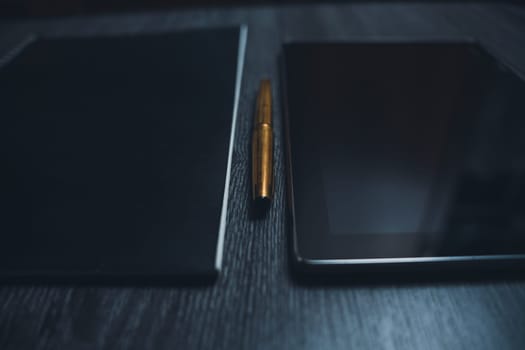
(262, 145)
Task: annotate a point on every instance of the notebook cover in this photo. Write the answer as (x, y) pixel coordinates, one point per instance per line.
(116, 155)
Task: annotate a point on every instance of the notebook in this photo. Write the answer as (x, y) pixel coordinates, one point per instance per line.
(116, 155)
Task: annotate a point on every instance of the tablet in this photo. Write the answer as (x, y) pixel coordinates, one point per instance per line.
(403, 154)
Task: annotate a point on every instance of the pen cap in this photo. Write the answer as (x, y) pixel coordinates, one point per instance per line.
(264, 104)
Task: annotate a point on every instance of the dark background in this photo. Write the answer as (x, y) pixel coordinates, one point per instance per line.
(256, 303)
(40, 8)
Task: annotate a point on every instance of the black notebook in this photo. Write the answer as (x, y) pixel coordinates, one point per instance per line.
(116, 155)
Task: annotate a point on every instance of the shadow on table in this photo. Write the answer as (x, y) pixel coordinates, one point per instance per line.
(111, 281)
(411, 277)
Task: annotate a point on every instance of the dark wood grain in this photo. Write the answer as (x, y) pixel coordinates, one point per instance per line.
(255, 304)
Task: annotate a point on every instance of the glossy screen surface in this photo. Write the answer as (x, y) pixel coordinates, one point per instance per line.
(405, 150)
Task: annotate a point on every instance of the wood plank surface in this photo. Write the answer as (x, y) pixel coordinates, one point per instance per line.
(255, 304)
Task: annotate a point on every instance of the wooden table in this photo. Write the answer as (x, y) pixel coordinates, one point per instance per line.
(255, 304)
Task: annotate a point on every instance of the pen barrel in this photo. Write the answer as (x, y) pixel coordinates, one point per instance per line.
(262, 161)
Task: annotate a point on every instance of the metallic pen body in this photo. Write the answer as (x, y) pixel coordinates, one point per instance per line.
(262, 145)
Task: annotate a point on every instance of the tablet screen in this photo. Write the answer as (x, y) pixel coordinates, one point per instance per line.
(420, 142)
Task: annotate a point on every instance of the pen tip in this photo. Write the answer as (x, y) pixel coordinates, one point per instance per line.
(265, 83)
